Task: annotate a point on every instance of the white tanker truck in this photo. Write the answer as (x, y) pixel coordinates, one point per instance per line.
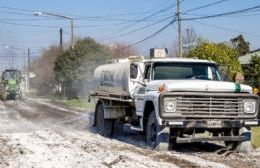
(172, 100)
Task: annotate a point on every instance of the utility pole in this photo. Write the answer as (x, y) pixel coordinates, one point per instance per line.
(9, 63)
(12, 61)
(29, 67)
(179, 28)
(61, 39)
(72, 33)
(60, 16)
(188, 39)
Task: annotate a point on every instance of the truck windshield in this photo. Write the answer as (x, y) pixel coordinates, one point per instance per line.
(10, 75)
(178, 71)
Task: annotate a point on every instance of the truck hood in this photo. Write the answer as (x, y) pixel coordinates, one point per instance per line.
(199, 86)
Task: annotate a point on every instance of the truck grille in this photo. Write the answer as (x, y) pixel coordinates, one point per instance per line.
(210, 105)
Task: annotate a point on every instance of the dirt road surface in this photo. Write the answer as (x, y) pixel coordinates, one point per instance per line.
(40, 133)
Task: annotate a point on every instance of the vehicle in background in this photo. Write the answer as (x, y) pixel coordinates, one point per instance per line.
(11, 79)
(174, 101)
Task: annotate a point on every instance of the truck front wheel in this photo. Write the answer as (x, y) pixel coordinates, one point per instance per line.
(104, 126)
(244, 146)
(156, 137)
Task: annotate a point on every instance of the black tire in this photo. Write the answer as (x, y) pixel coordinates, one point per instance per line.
(104, 126)
(231, 145)
(154, 137)
(244, 146)
(13, 96)
(2, 92)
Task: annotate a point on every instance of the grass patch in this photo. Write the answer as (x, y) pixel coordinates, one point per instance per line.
(255, 137)
(74, 103)
(79, 103)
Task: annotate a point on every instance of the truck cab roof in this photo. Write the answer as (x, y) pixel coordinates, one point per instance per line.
(178, 60)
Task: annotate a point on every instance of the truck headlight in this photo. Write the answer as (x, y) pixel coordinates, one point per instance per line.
(170, 105)
(249, 106)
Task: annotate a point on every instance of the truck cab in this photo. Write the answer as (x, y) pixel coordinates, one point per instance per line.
(11, 78)
(188, 96)
(174, 100)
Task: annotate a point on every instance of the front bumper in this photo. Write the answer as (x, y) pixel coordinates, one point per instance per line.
(203, 124)
(244, 137)
(192, 124)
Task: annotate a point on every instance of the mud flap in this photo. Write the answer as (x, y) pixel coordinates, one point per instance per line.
(163, 139)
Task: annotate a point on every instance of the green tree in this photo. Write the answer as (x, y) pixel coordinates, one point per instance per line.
(252, 72)
(241, 45)
(78, 64)
(220, 53)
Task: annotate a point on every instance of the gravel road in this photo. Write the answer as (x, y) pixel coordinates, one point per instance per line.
(40, 133)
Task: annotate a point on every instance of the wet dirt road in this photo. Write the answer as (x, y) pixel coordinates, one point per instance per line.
(40, 133)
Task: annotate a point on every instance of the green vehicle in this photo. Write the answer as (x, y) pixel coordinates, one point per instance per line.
(11, 79)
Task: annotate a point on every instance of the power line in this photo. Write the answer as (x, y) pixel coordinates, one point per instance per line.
(25, 10)
(152, 35)
(225, 28)
(236, 15)
(89, 18)
(143, 27)
(137, 13)
(22, 14)
(28, 25)
(13, 8)
(78, 17)
(204, 6)
(105, 18)
(174, 27)
(145, 18)
(155, 33)
(222, 14)
(158, 12)
(24, 20)
(45, 26)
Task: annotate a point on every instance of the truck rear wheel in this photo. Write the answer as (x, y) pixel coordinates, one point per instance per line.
(156, 137)
(104, 126)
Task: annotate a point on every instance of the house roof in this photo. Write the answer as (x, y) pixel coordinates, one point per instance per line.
(245, 59)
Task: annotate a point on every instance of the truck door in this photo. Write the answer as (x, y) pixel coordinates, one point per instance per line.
(140, 92)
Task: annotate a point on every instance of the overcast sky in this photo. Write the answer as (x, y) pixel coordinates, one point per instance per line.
(117, 20)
